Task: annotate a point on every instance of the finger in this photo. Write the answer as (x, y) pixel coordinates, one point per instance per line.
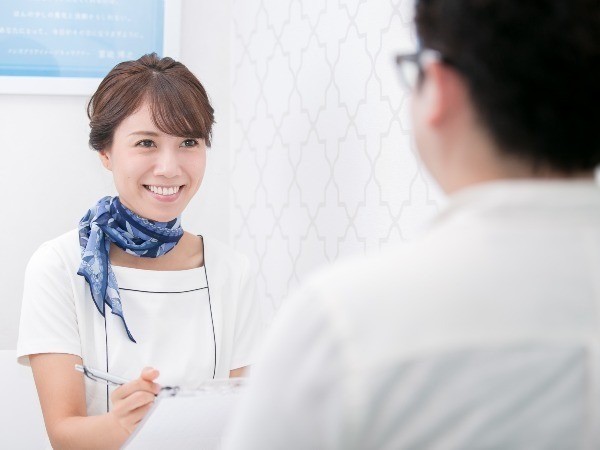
(138, 414)
(149, 374)
(135, 417)
(126, 391)
(135, 400)
(133, 386)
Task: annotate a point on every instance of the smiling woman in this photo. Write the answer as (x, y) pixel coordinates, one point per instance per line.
(155, 173)
(179, 302)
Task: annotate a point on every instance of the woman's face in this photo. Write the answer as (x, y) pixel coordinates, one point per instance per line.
(156, 174)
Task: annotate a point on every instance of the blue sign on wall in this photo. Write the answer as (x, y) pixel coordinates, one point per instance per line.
(76, 38)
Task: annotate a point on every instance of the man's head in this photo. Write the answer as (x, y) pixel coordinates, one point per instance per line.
(518, 78)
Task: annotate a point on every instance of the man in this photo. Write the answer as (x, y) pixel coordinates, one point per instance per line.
(486, 332)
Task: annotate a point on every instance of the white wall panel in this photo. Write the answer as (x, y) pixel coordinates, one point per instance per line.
(322, 161)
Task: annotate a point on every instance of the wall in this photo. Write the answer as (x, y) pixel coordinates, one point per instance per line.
(323, 165)
(49, 177)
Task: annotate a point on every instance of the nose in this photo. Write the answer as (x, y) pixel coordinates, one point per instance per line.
(167, 163)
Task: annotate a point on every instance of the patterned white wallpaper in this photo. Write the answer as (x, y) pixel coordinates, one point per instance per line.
(322, 162)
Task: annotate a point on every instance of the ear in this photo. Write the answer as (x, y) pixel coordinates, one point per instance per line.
(443, 92)
(104, 156)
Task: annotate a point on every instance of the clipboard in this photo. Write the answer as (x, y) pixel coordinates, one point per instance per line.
(188, 419)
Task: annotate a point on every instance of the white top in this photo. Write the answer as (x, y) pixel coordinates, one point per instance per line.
(483, 334)
(171, 314)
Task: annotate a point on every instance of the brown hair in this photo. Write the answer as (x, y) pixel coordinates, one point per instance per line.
(178, 102)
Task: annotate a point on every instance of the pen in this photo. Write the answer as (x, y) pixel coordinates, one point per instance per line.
(98, 375)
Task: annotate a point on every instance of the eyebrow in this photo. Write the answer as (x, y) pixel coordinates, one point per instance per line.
(144, 133)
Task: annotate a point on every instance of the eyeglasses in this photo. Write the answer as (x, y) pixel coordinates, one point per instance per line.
(410, 65)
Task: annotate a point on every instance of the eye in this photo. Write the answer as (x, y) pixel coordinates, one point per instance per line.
(146, 143)
(190, 143)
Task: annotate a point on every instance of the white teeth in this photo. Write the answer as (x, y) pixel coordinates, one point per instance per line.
(164, 190)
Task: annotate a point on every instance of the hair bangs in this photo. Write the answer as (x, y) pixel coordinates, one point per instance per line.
(178, 102)
(178, 110)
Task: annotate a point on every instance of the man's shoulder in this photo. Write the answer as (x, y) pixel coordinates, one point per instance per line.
(419, 294)
(397, 269)
(370, 289)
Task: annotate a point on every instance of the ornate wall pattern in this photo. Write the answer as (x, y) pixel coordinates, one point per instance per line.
(322, 163)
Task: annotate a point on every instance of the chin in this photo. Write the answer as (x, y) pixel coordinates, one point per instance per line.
(162, 217)
(157, 214)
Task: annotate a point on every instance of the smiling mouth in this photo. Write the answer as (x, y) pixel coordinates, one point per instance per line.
(163, 190)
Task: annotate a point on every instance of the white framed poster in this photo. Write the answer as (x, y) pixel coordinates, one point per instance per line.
(68, 46)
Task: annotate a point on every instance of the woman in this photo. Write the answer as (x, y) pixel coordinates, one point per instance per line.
(178, 302)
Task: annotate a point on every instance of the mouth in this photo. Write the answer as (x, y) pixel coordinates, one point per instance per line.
(164, 191)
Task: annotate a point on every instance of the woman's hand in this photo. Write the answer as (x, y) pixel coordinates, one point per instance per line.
(131, 401)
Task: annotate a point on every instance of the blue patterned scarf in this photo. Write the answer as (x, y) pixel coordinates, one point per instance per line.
(109, 221)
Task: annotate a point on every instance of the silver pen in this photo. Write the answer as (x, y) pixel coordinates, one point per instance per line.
(98, 375)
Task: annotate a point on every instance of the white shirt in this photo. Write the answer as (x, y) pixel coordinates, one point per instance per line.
(181, 320)
(483, 334)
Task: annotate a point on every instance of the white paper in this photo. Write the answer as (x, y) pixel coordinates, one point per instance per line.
(188, 420)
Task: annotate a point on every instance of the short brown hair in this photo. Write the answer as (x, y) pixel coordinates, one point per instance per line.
(178, 102)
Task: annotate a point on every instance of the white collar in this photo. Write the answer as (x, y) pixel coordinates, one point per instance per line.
(531, 195)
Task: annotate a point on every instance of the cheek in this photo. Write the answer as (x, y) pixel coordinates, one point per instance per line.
(415, 110)
(198, 166)
(415, 125)
(125, 171)
(121, 181)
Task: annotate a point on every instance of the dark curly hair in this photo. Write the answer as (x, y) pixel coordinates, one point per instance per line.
(178, 102)
(533, 71)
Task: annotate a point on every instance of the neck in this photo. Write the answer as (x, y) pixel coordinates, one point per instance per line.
(187, 254)
(476, 160)
(464, 178)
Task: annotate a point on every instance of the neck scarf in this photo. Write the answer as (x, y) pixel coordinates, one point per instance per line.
(109, 221)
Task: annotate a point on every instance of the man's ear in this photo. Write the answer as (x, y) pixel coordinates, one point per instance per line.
(105, 159)
(443, 91)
